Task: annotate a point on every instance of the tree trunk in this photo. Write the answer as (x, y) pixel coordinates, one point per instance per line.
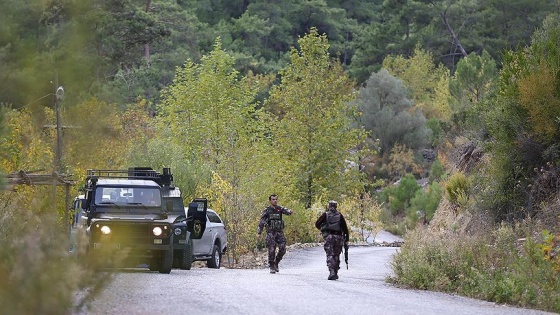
(147, 46)
(456, 41)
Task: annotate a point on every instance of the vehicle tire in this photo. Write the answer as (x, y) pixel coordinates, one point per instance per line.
(216, 259)
(166, 261)
(154, 264)
(186, 258)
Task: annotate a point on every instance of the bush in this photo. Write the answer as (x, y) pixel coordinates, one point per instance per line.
(39, 275)
(426, 202)
(456, 189)
(437, 171)
(399, 197)
(506, 265)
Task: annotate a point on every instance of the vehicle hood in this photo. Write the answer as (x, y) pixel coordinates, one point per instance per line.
(130, 217)
(173, 217)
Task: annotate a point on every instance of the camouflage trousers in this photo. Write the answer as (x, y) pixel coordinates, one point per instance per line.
(274, 239)
(333, 248)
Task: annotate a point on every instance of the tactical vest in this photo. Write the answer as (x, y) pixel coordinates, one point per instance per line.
(275, 222)
(333, 221)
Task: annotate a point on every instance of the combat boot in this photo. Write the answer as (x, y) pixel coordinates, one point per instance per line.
(275, 265)
(336, 274)
(332, 275)
(272, 267)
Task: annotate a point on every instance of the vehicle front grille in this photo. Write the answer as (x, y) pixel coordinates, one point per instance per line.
(130, 233)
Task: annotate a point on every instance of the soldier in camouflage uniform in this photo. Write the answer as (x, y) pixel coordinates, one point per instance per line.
(272, 218)
(335, 232)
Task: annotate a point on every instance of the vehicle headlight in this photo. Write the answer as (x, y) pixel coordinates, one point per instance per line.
(157, 231)
(178, 231)
(105, 230)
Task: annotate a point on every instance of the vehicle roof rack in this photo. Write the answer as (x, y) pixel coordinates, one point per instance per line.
(145, 173)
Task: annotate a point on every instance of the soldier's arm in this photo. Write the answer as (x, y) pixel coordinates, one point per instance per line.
(262, 222)
(320, 221)
(286, 211)
(344, 227)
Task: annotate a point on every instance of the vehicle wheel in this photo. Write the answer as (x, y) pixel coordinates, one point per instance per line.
(187, 257)
(154, 264)
(216, 259)
(166, 261)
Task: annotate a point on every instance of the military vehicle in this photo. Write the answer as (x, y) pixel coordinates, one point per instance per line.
(129, 213)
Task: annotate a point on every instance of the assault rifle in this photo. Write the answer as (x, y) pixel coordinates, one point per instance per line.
(346, 253)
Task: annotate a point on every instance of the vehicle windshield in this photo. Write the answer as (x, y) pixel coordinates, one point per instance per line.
(128, 196)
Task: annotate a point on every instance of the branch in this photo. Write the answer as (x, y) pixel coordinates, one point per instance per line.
(452, 32)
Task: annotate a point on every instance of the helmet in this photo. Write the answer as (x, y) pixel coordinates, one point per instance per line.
(333, 203)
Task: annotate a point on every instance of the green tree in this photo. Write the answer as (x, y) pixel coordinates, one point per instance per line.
(363, 212)
(313, 133)
(427, 81)
(176, 35)
(425, 203)
(389, 114)
(437, 172)
(209, 114)
(42, 42)
(524, 124)
(398, 197)
(452, 29)
(474, 80)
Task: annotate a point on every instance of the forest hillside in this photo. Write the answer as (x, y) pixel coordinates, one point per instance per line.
(434, 120)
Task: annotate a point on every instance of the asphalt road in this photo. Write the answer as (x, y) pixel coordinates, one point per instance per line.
(301, 287)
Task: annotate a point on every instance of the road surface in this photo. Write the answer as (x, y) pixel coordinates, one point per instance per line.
(301, 287)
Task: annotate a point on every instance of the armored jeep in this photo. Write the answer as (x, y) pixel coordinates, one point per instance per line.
(126, 213)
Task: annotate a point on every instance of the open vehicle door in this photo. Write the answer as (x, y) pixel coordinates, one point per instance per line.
(196, 217)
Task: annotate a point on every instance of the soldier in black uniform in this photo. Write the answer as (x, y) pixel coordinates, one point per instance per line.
(335, 232)
(272, 218)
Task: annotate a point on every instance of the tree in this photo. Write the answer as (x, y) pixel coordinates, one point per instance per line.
(398, 197)
(451, 29)
(312, 132)
(427, 81)
(3, 155)
(522, 122)
(183, 37)
(209, 114)
(473, 81)
(363, 212)
(401, 162)
(99, 131)
(388, 113)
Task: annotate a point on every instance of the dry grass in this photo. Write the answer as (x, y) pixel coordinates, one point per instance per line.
(461, 253)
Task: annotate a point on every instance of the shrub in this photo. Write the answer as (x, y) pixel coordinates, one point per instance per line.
(39, 276)
(456, 189)
(399, 198)
(426, 202)
(506, 265)
(437, 171)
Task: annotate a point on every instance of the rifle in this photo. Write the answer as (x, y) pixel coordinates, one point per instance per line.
(346, 253)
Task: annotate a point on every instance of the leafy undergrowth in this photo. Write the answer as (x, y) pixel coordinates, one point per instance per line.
(37, 273)
(509, 264)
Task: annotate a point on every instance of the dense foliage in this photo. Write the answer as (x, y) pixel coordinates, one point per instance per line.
(120, 50)
(366, 102)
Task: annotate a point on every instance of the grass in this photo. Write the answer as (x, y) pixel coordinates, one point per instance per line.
(505, 265)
